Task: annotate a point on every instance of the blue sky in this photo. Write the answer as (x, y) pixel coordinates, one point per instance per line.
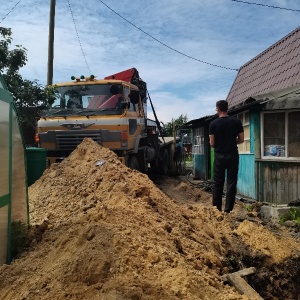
(220, 32)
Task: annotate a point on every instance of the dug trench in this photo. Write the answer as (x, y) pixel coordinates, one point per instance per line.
(275, 277)
(103, 231)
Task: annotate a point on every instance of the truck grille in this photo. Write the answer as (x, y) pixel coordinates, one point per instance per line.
(69, 140)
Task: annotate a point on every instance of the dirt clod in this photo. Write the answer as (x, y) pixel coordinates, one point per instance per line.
(108, 232)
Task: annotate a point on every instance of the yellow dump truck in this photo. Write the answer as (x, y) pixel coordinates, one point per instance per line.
(113, 112)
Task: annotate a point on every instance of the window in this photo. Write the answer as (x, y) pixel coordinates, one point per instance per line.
(245, 147)
(293, 145)
(198, 147)
(281, 134)
(132, 107)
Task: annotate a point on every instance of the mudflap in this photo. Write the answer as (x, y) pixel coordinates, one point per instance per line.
(165, 162)
(133, 162)
(137, 161)
(142, 161)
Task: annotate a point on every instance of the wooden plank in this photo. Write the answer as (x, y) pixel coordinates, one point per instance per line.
(243, 287)
(243, 272)
(241, 284)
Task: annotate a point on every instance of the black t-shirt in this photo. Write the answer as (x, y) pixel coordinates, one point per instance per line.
(225, 131)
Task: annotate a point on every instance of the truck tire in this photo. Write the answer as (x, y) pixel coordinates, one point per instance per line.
(133, 163)
(164, 167)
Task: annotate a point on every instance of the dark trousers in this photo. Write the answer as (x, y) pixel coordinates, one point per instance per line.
(223, 163)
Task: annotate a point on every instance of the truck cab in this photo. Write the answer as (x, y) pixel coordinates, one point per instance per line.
(112, 111)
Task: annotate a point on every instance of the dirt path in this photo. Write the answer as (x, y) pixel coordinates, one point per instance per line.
(103, 231)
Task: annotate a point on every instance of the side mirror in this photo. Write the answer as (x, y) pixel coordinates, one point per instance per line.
(114, 89)
(134, 96)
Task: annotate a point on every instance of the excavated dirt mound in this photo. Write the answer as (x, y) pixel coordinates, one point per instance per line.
(103, 231)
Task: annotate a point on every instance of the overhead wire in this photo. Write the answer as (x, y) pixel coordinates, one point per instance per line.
(151, 36)
(10, 11)
(83, 54)
(266, 5)
(171, 48)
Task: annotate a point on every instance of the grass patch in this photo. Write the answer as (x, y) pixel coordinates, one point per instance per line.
(292, 215)
(249, 207)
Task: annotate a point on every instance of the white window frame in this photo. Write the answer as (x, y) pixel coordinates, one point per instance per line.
(242, 147)
(198, 145)
(286, 136)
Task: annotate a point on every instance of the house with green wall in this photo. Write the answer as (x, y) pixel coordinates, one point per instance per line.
(265, 96)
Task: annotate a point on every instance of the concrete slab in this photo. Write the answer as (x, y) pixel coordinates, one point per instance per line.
(273, 213)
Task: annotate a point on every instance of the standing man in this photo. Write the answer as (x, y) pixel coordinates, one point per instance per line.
(225, 133)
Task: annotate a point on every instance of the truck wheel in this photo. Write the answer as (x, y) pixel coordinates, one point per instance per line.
(164, 168)
(133, 163)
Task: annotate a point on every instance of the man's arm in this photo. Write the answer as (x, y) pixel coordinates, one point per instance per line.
(212, 140)
(240, 138)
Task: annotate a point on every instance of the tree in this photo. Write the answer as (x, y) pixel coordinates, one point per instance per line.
(177, 122)
(30, 97)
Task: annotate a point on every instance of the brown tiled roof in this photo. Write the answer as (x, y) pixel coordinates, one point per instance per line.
(276, 68)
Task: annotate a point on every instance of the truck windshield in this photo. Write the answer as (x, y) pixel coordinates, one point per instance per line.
(87, 99)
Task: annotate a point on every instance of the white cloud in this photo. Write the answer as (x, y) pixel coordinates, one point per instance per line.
(220, 32)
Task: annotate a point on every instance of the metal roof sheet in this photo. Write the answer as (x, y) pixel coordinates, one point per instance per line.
(274, 69)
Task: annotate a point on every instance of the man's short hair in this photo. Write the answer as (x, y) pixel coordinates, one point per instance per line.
(222, 105)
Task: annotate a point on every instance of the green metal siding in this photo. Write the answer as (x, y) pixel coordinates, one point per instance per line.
(246, 176)
(246, 185)
(13, 189)
(5, 96)
(199, 166)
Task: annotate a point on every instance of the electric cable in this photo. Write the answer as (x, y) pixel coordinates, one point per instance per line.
(206, 185)
(79, 38)
(266, 5)
(10, 11)
(179, 52)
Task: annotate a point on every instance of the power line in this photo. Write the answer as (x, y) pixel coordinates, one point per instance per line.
(79, 38)
(204, 62)
(270, 6)
(10, 11)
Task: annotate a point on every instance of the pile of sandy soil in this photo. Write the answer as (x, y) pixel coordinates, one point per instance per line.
(104, 231)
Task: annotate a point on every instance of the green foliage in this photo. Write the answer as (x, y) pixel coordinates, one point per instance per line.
(26, 94)
(177, 122)
(292, 215)
(248, 207)
(19, 237)
(189, 158)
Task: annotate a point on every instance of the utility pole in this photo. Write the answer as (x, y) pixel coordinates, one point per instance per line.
(51, 42)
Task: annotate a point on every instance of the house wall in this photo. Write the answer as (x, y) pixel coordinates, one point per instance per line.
(273, 180)
(246, 176)
(199, 166)
(202, 161)
(246, 185)
(279, 178)
(279, 181)
(266, 180)
(261, 178)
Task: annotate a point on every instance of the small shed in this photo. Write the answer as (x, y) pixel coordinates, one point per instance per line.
(13, 186)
